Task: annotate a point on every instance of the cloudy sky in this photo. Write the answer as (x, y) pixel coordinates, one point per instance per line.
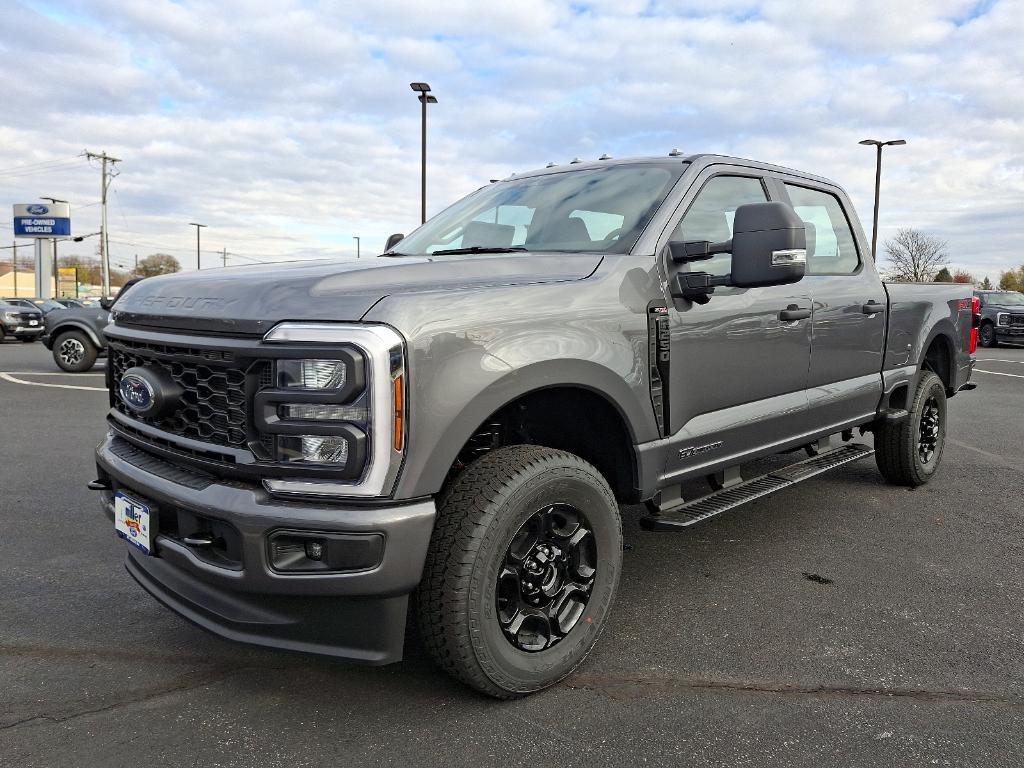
(289, 127)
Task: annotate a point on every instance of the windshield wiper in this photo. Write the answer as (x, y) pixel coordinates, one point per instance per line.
(478, 249)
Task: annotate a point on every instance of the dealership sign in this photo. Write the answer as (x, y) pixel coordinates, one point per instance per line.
(42, 220)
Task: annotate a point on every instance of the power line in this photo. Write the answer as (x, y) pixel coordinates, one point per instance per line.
(42, 166)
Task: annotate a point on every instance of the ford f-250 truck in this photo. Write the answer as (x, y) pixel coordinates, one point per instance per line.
(299, 455)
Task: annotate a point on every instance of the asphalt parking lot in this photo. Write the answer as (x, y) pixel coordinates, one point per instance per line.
(841, 622)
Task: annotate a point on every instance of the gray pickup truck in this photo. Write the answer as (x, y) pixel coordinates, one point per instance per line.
(300, 455)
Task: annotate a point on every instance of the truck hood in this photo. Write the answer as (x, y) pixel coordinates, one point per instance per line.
(251, 300)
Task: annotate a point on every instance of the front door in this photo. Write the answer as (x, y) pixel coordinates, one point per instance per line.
(738, 369)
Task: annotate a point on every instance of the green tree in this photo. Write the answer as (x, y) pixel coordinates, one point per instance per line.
(944, 276)
(158, 264)
(986, 284)
(1012, 280)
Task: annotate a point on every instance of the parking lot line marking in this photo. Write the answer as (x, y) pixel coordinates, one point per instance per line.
(998, 360)
(999, 373)
(49, 373)
(15, 380)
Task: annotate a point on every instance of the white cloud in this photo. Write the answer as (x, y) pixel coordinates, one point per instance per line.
(289, 127)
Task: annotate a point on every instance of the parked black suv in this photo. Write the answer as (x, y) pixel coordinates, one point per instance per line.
(1002, 317)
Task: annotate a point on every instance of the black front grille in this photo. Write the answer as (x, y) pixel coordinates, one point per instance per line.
(213, 405)
(1017, 321)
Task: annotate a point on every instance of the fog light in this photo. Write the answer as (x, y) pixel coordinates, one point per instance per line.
(314, 550)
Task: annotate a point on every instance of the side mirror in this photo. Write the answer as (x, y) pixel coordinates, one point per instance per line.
(769, 245)
(393, 240)
(106, 302)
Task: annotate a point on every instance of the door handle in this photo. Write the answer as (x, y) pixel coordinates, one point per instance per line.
(793, 312)
(872, 308)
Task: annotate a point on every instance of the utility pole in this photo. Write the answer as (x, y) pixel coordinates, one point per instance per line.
(105, 178)
(136, 264)
(357, 246)
(199, 264)
(224, 256)
(14, 249)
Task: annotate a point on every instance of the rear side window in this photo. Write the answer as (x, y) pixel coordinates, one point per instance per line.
(831, 248)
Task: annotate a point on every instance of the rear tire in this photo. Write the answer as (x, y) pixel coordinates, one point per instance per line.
(987, 335)
(74, 352)
(509, 604)
(910, 453)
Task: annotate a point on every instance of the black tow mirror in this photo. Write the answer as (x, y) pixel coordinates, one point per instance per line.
(769, 246)
(106, 302)
(393, 240)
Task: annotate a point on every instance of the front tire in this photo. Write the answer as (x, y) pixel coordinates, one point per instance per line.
(522, 570)
(987, 335)
(909, 453)
(74, 352)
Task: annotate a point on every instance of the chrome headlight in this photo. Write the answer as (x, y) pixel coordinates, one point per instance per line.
(1003, 318)
(11, 316)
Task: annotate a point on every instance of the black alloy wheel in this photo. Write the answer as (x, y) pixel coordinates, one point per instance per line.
(547, 577)
(987, 335)
(928, 430)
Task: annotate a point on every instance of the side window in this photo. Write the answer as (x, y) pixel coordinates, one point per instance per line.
(831, 248)
(711, 214)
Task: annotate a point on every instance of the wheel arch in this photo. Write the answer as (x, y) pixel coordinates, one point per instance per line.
(540, 384)
(75, 325)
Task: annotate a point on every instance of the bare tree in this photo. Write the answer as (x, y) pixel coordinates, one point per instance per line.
(915, 257)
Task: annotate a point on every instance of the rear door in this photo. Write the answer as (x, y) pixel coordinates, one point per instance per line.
(848, 338)
(738, 371)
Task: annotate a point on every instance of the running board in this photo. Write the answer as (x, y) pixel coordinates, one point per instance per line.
(691, 512)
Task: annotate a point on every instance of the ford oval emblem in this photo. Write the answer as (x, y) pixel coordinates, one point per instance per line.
(137, 393)
(38, 210)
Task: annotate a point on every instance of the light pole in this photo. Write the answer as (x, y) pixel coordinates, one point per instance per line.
(199, 264)
(425, 98)
(878, 183)
(357, 246)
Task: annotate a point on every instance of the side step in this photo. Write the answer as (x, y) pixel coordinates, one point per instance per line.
(695, 511)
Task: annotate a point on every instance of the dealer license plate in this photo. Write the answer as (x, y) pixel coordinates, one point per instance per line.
(33, 322)
(132, 523)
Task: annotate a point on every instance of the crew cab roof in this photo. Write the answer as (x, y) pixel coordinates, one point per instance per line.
(701, 159)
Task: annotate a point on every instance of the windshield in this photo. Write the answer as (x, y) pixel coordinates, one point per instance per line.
(1009, 298)
(600, 209)
(48, 304)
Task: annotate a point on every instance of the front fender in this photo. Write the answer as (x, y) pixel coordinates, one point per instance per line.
(78, 325)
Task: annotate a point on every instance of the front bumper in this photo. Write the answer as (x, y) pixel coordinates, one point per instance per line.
(1013, 333)
(354, 615)
(24, 330)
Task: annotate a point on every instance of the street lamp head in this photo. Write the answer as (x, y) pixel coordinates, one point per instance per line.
(869, 142)
(193, 224)
(421, 87)
(895, 142)
(430, 99)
